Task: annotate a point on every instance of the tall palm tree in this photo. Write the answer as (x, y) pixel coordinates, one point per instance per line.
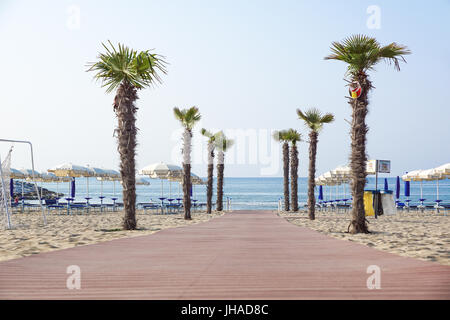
(282, 136)
(314, 120)
(222, 144)
(362, 53)
(209, 187)
(293, 136)
(127, 71)
(188, 118)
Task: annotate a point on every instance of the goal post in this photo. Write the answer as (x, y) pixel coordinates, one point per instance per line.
(44, 218)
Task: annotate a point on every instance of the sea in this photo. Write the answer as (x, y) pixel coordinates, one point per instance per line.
(244, 193)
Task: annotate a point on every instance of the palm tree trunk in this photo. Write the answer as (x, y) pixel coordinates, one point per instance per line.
(209, 187)
(312, 174)
(358, 158)
(187, 136)
(286, 175)
(125, 109)
(220, 170)
(294, 178)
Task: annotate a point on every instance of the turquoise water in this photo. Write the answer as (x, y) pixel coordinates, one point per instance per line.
(245, 193)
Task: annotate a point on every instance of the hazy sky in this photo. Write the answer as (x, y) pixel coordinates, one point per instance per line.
(246, 64)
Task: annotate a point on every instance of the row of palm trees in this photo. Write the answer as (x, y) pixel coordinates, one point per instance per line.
(314, 120)
(127, 71)
(189, 118)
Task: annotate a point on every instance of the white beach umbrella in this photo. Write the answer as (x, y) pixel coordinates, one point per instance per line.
(443, 170)
(16, 174)
(108, 175)
(432, 175)
(416, 175)
(162, 171)
(70, 170)
(30, 174)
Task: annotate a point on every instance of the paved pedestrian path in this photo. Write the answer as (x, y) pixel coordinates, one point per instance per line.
(241, 255)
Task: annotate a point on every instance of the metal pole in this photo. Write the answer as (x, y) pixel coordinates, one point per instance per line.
(5, 198)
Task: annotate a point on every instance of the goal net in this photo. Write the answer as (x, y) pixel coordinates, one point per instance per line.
(5, 191)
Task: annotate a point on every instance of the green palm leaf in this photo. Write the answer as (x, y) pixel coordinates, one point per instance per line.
(362, 53)
(127, 65)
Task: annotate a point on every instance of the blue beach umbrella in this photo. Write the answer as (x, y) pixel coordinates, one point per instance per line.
(386, 186)
(407, 189)
(11, 187)
(397, 188)
(320, 192)
(72, 188)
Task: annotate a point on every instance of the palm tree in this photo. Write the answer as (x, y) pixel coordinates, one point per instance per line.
(293, 136)
(314, 120)
(362, 53)
(281, 136)
(188, 118)
(126, 71)
(223, 145)
(209, 188)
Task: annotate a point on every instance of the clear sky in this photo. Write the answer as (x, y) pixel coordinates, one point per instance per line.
(246, 64)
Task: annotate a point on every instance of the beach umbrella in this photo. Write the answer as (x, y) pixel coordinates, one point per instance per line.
(30, 174)
(16, 174)
(162, 171)
(96, 173)
(11, 188)
(70, 170)
(386, 186)
(397, 188)
(434, 174)
(407, 188)
(443, 170)
(320, 192)
(108, 175)
(72, 188)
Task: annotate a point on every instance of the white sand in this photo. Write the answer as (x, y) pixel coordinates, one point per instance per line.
(30, 236)
(425, 236)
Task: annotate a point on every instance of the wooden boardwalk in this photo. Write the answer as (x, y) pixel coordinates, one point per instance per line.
(241, 255)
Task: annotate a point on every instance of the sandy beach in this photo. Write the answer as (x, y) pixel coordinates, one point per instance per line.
(424, 236)
(30, 236)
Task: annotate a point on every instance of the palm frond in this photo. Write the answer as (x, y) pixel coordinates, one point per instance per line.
(362, 53)
(280, 136)
(124, 64)
(314, 119)
(187, 117)
(293, 136)
(222, 142)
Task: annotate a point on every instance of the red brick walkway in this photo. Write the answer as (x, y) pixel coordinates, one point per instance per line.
(241, 255)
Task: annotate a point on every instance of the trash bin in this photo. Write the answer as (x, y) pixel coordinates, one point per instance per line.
(368, 203)
(370, 199)
(388, 203)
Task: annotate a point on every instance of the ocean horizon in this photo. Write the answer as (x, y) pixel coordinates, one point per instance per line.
(246, 193)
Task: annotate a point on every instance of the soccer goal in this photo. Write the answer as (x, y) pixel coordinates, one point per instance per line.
(5, 178)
